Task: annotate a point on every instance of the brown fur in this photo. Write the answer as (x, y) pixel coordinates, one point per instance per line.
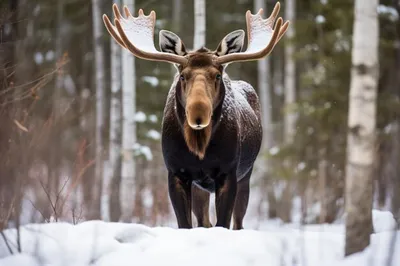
(201, 205)
(200, 92)
(197, 140)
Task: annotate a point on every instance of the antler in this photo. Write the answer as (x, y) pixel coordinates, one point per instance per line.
(137, 35)
(261, 37)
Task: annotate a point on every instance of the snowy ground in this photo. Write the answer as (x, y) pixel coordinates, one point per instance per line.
(99, 243)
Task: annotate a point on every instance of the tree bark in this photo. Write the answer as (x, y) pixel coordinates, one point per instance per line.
(264, 91)
(361, 126)
(396, 137)
(127, 187)
(290, 72)
(7, 129)
(176, 23)
(199, 24)
(113, 179)
(99, 75)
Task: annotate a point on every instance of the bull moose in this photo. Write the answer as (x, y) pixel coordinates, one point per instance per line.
(211, 127)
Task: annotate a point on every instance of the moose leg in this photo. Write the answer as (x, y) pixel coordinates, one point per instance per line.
(241, 202)
(225, 194)
(201, 203)
(180, 195)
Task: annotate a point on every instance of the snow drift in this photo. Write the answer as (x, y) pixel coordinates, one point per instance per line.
(118, 244)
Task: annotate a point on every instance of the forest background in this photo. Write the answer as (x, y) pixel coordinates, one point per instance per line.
(80, 134)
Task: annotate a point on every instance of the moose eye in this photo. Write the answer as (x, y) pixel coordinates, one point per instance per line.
(182, 78)
(218, 77)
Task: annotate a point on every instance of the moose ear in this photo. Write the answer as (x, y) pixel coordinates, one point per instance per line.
(231, 43)
(170, 43)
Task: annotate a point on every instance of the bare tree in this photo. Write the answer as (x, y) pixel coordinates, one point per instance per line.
(127, 186)
(99, 71)
(361, 126)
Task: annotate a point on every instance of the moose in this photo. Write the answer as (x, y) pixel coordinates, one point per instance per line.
(211, 125)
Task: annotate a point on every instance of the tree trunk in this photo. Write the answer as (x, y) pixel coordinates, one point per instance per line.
(176, 23)
(264, 92)
(7, 130)
(396, 137)
(113, 178)
(99, 74)
(290, 72)
(322, 181)
(199, 24)
(127, 187)
(361, 126)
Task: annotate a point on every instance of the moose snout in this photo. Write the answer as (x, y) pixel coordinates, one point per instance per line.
(198, 115)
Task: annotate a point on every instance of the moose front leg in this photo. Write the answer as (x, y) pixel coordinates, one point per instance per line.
(225, 194)
(180, 195)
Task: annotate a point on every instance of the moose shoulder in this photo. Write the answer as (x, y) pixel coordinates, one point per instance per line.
(211, 129)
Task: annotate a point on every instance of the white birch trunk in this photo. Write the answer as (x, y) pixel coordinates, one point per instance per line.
(199, 24)
(176, 24)
(361, 126)
(99, 69)
(264, 92)
(127, 186)
(264, 88)
(290, 72)
(115, 126)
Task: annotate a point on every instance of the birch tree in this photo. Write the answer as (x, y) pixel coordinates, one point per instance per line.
(361, 126)
(264, 88)
(98, 26)
(176, 23)
(290, 72)
(199, 24)
(114, 171)
(127, 186)
(285, 204)
(264, 91)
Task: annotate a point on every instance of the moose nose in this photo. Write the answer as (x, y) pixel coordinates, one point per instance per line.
(198, 121)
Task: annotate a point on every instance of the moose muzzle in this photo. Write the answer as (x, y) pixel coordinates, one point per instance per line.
(198, 114)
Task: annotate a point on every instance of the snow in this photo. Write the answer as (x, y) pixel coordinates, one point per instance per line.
(38, 57)
(383, 221)
(320, 19)
(153, 134)
(153, 118)
(153, 81)
(50, 55)
(389, 11)
(140, 117)
(139, 30)
(274, 150)
(143, 150)
(100, 243)
(261, 34)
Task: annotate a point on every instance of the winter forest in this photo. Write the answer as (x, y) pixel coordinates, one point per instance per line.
(83, 177)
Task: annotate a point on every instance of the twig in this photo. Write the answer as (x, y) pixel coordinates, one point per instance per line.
(34, 206)
(51, 203)
(7, 244)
